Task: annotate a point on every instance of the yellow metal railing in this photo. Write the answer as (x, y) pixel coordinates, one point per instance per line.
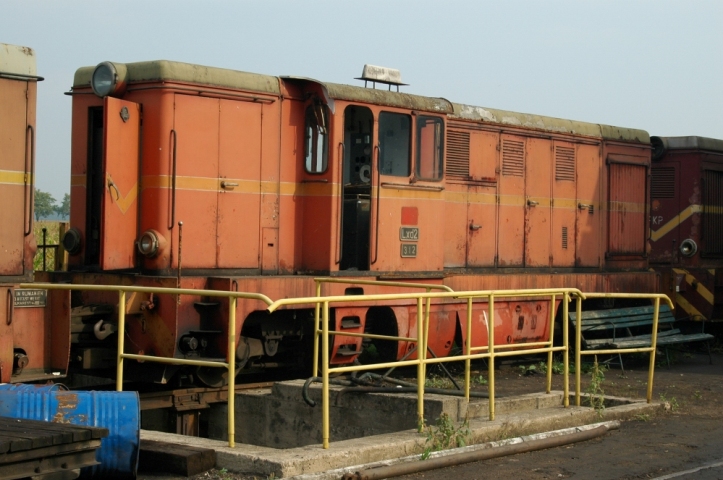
(421, 339)
(229, 364)
(655, 297)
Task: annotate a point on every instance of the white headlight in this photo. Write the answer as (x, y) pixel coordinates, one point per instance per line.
(109, 79)
(148, 243)
(688, 247)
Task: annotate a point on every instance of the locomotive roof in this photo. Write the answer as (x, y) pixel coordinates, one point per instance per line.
(164, 70)
(17, 60)
(690, 143)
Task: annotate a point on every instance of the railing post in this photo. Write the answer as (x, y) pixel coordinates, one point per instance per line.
(654, 346)
(325, 375)
(491, 351)
(426, 333)
(121, 338)
(315, 368)
(552, 341)
(578, 342)
(468, 350)
(231, 358)
(421, 350)
(566, 352)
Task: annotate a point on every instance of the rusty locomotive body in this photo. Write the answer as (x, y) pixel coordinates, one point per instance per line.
(687, 224)
(205, 178)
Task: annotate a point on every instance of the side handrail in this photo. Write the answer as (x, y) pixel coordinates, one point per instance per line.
(340, 214)
(656, 298)
(229, 364)
(29, 180)
(323, 307)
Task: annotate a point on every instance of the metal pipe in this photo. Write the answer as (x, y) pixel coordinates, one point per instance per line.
(325, 375)
(566, 353)
(400, 389)
(317, 307)
(578, 343)
(121, 338)
(491, 360)
(475, 456)
(549, 354)
(231, 359)
(653, 343)
(420, 365)
(468, 350)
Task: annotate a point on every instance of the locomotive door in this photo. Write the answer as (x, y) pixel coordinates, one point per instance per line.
(565, 204)
(119, 204)
(358, 173)
(511, 207)
(537, 203)
(15, 173)
(588, 236)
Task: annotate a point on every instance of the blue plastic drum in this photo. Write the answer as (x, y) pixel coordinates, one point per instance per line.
(119, 412)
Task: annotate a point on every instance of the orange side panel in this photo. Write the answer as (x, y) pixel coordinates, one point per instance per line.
(588, 235)
(565, 171)
(627, 208)
(120, 201)
(13, 139)
(196, 123)
(239, 200)
(537, 199)
(511, 206)
(455, 225)
(269, 246)
(480, 227)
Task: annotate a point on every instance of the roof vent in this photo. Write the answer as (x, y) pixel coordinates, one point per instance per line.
(375, 74)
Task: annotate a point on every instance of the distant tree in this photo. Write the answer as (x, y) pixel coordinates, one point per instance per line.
(63, 210)
(44, 204)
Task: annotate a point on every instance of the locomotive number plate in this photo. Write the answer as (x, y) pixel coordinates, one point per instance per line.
(409, 250)
(30, 297)
(409, 234)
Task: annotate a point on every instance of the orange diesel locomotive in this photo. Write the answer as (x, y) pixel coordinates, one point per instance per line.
(25, 330)
(211, 178)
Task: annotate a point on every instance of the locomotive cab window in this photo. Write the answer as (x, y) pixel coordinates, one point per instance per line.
(394, 144)
(430, 140)
(316, 139)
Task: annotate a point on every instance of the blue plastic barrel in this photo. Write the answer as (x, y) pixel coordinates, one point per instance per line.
(119, 412)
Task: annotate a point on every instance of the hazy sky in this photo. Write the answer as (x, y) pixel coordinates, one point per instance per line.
(655, 65)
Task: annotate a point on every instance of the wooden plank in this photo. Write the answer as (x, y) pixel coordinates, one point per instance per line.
(172, 458)
(79, 432)
(49, 451)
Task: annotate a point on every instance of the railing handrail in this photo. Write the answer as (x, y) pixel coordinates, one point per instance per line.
(413, 296)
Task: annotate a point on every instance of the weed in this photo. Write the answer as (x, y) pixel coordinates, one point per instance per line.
(434, 381)
(445, 435)
(528, 369)
(697, 395)
(480, 380)
(595, 389)
(673, 402)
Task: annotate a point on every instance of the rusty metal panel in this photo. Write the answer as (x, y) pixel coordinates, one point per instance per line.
(666, 211)
(511, 206)
(196, 123)
(481, 211)
(270, 250)
(712, 235)
(121, 163)
(15, 176)
(564, 204)
(6, 332)
(626, 209)
(538, 171)
(239, 195)
(589, 212)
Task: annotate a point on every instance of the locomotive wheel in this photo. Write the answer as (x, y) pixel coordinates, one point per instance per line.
(212, 377)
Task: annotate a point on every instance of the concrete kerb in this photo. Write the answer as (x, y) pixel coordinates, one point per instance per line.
(312, 459)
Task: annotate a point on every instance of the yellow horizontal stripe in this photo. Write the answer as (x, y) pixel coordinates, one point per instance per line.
(656, 235)
(627, 207)
(700, 288)
(12, 177)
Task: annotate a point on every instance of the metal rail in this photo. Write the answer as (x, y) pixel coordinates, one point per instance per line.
(229, 364)
(322, 308)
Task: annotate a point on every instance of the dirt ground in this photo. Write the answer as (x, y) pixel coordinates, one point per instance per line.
(689, 435)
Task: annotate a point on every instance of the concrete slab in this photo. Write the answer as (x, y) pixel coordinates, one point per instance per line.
(546, 413)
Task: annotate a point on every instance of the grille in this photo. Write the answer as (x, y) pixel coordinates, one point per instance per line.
(564, 163)
(513, 158)
(457, 154)
(712, 212)
(662, 183)
(564, 237)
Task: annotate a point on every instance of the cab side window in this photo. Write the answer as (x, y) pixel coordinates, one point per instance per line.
(395, 131)
(430, 140)
(316, 139)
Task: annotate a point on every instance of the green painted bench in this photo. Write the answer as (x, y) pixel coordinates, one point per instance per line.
(626, 328)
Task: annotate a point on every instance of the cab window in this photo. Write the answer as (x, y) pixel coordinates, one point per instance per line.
(316, 139)
(430, 139)
(394, 144)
